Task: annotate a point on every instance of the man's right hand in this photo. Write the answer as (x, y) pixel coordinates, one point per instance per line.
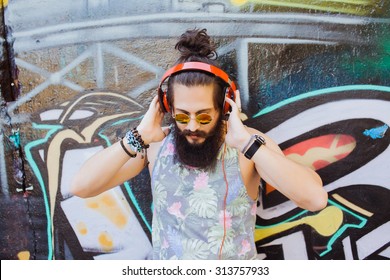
(150, 127)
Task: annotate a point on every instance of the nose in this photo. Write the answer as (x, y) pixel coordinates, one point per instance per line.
(193, 125)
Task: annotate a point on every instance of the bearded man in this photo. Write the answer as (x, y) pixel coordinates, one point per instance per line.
(205, 167)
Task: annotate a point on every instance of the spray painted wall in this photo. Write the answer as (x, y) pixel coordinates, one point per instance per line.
(314, 75)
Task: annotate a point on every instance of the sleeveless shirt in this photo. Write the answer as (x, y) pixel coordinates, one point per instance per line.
(196, 212)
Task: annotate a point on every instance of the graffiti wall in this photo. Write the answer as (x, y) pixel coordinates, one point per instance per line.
(75, 75)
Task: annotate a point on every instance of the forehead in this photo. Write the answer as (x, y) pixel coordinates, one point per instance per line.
(193, 98)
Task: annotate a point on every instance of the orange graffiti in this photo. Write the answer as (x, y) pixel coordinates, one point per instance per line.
(328, 148)
(107, 205)
(24, 255)
(320, 152)
(82, 228)
(106, 242)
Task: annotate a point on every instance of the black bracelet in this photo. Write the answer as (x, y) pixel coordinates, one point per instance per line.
(126, 150)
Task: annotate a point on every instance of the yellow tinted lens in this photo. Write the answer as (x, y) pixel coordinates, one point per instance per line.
(204, 118)
(182, 118)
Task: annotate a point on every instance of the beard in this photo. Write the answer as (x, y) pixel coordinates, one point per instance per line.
(200, 155)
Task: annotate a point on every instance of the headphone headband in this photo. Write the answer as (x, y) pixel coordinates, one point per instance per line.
(196, 66)
(201, 66)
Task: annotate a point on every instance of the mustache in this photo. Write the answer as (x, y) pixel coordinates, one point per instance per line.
(196, 133)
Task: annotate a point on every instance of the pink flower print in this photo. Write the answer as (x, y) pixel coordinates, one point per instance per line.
(201, 181)
(169, 150)
(245, 247)
(225, 215)
(254, 209)
(174, 209)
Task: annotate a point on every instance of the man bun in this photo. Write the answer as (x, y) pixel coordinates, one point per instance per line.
(196, 45)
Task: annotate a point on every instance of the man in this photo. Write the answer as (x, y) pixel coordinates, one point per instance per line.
(205, 167)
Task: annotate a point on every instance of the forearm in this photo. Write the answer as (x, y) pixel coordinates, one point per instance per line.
(104, 170)
(299, 183)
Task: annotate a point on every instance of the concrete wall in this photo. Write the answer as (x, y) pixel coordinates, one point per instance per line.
(76, 74)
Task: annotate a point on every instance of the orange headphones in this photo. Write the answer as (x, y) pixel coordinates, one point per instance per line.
(197, 66)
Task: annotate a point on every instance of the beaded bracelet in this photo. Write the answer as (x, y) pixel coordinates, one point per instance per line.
(134, 139)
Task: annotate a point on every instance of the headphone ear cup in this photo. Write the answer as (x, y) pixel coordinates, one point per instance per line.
(231, 94)
(165, 104)
(162, 99)
(226, 108)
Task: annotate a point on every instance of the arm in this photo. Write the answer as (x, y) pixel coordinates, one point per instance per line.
(297, 182)
(112, 166)
(105, 170)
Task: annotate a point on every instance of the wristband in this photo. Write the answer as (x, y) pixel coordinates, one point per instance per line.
(259, 141)
(126, 150)
(134, 139)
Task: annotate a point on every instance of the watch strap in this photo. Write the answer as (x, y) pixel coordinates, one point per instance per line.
(257, 143)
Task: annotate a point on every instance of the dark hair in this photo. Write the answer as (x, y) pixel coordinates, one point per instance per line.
(196, 46)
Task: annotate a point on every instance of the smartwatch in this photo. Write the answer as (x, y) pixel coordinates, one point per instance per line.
(258, 141)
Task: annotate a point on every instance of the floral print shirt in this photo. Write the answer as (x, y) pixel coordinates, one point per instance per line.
(191, 219)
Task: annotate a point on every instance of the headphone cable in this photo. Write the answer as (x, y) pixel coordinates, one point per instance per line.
(224, 202)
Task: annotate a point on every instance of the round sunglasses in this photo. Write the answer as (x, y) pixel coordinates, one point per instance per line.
(202, 118)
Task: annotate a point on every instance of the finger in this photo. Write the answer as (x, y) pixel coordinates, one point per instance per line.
(236, 109)
(155, 105)
(238, 99)
(155, 101)
(232, 104)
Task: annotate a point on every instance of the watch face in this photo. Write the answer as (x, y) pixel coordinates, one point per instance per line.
(260, 139)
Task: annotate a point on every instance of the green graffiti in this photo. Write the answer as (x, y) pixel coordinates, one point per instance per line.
(34, 166)
(374, 63)
(319, 92)
(361, 221)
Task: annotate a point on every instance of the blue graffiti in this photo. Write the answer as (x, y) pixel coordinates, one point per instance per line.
(376, 132)
(15, 138)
